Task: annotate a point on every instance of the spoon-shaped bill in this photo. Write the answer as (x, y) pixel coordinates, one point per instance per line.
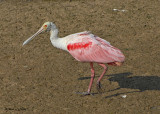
(30, 38)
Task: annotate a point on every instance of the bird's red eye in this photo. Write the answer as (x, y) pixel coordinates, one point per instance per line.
(45, 25)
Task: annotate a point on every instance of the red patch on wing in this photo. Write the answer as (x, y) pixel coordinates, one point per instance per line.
(78, 45)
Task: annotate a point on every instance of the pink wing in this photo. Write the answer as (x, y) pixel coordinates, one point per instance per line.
(89, 48)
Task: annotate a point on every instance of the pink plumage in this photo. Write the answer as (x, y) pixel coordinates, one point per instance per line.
(86, 47)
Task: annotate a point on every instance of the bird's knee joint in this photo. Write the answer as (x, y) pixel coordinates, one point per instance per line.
(92, 70)
(105, 68)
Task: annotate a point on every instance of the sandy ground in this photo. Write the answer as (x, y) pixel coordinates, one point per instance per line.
(39, 78)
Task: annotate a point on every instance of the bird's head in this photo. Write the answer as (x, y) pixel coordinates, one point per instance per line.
(45, 27)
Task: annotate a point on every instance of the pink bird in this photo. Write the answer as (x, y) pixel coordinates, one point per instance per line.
(85, 47)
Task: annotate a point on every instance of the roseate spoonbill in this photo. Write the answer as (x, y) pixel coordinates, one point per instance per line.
(84, 47)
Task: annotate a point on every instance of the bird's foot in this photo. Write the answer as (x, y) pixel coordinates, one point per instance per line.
(84, 93)
(99, 87)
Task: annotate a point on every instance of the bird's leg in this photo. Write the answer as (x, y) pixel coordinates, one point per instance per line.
(92, 77)
(91, 81)
(99, 79)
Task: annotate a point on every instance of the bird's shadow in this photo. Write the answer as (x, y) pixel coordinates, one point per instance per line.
(127, 80)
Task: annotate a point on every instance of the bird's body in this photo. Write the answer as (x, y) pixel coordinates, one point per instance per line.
(85, 47)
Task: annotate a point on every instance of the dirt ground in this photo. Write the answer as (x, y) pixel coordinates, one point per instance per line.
(38, 78)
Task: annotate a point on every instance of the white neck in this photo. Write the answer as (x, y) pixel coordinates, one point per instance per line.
(54, 34)
(55, 40)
